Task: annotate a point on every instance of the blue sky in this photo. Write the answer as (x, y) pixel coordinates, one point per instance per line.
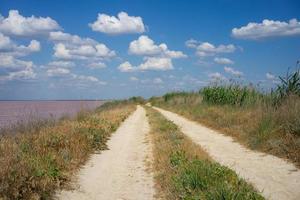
(116, 49)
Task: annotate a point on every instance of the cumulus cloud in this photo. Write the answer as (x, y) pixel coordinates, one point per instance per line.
(71, 78)
(223, 61)
(88, 78)
(16, 69)
(156, 63)
(60, 63)
(233, 72)
(208, 49)
(121, 24)
(268, 28)
(191, 43)
(18, 25)
(11, 63)
(55, 72)
(204, 49)
(62, 37)
(145, 46)
(150, 63)
(97, 65)
(25, 74)
(5, 42)
(9, 47)
(69, 46)
(99, 51)
(126, 67)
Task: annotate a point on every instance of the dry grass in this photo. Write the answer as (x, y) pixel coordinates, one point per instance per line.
(34, 164)
(263, 127)
(184, 171)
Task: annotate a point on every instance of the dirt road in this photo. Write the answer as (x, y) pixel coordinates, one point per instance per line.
(118, 173)
(274, 177)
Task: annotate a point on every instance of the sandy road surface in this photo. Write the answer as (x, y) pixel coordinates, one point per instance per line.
(274, 177)
(120, 172)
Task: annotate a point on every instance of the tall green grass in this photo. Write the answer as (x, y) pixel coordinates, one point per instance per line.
(269, 122)
(290, 84)
(239, 95)
(232, 95)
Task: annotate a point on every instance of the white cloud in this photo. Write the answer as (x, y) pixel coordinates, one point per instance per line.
(270, 76)
(145, 46)
(156, 63)
(126, 67)
(11, 63)
(191, 43)
(65, 64)
(25, 74)
(150, 63)
(158, 81)
(208, 49)
(97, 65)
(16, 69)
(216, 76)
(268, 28)
(18, 25)
(55, 72)
(204, 49)
(69, 46)
(8, 47)
(118, 25)
(232, 71)
(133, 78)
(59, 36)
(5, 42)
(74, 79)
(223, 61)
(88, 78)
(13, 67)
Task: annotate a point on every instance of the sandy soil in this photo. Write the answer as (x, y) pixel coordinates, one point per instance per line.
(118, 173)
(273, 177)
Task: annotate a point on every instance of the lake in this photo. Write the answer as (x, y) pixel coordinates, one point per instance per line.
(15, 111)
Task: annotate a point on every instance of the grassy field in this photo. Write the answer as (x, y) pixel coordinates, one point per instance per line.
(268, 122)
(42, 157)
(183, 171)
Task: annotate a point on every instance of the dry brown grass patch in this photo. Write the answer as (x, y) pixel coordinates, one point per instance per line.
(33, 165)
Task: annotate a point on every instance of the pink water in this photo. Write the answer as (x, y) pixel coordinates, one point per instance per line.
(16, 111)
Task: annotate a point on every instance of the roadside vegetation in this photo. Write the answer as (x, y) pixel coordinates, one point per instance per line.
(268, 122)
(183, 171)
(42, 156)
